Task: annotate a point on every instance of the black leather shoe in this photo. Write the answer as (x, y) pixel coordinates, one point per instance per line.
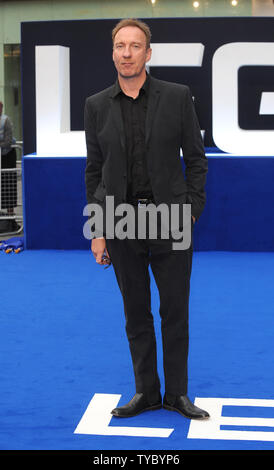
(183, 405)
(137, 405)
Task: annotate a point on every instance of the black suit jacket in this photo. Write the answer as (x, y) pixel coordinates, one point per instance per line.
(171, 124)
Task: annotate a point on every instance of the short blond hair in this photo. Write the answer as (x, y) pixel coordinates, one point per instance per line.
(133, 22)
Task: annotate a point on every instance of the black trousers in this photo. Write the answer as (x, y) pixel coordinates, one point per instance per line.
(171, 270)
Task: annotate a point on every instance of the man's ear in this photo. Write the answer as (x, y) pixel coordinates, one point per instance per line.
(148, 54)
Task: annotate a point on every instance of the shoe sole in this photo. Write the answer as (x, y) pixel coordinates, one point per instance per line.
(171, 408)
(151, 408)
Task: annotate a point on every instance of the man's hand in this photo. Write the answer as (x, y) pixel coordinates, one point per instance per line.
(193, 218)
(99, 250)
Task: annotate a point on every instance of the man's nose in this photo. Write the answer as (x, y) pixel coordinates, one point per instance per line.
(127, 52)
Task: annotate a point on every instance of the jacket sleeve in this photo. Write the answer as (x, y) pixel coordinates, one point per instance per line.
(93, 171)
(7, 140)
(196, 165)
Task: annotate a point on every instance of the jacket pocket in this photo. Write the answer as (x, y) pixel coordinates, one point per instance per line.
(179, 187)
(100, 192)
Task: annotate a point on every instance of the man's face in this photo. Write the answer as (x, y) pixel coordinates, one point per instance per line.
(130, 53)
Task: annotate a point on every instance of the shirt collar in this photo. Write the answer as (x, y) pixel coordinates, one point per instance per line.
(117, 89)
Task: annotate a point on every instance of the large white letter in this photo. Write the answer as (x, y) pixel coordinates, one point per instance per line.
(97, 417)
(53, 133)
(177, 54)
(227, 134)
(211, 429)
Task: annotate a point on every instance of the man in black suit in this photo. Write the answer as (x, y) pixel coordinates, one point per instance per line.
(134, 132)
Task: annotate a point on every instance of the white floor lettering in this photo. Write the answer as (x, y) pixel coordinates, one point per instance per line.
(210, 429)
(98, 415)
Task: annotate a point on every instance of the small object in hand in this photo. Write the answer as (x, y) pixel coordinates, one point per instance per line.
(106, 261)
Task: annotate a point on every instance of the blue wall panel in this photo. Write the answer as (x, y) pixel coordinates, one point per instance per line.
(238, 215)
(54, 198)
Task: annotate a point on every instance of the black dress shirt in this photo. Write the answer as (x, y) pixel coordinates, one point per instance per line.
(134, 120)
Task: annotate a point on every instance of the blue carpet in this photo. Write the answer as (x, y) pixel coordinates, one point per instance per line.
(63, 340)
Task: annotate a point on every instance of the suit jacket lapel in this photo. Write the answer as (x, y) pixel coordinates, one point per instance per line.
(153, 101)
(118, 120)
